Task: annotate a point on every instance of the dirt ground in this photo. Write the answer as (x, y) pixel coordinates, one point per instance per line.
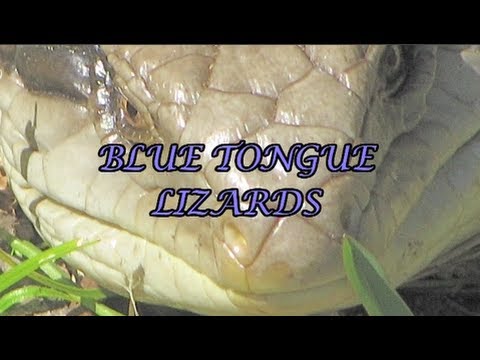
(453, 291)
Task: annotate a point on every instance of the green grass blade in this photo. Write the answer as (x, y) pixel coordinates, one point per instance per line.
(29, 250)
(25, 268)
(25, 293)
(93, 294)
(369, 281)
(87, 297)
(102, 310)
(60, 285)
(56, 286)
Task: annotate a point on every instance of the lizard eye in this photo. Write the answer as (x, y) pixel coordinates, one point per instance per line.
(118, 118)
(129, 113)
(132, 112)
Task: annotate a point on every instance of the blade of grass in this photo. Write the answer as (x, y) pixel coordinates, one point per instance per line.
(100, 309)
(60, 285)
(25, 268)
(29, 250)
(87, 297)
(25, 293)
(369, 281)
(31, 292)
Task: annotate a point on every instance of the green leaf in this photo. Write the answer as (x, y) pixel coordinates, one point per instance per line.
(369, 282)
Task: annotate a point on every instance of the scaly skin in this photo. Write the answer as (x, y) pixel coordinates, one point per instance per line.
(421, 105)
